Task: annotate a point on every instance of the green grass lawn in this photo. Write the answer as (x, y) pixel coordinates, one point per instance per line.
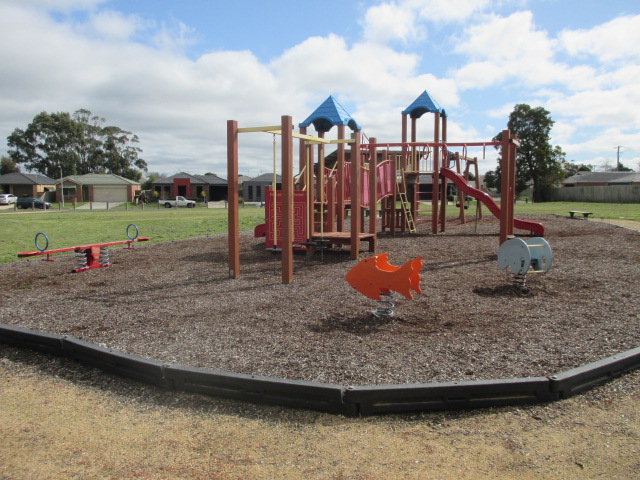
(67, 228)
(616, 211)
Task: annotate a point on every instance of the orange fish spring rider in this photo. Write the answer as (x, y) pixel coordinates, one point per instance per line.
(375, 277)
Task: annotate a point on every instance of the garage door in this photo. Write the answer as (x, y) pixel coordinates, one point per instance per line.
(104, 193)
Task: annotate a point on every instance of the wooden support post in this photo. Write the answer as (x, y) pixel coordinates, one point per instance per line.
(287, 199)
(461, 195)
(507, 188)
(329, 220)
(513, 141)
(302, 161)
(443, 117)
(414, 138)
(373, 183)
(356, 184)
(435, 175)
(233, 229)
(479, 206)
(443, 203)
(393, 200)
(405, 150)
(311, 190)
(320, 175)
(341, 189)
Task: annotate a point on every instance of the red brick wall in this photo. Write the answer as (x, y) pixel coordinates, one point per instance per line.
(181, 182)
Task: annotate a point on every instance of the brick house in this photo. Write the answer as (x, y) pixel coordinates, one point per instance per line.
(28, 185)
(192, 187)
(96, 187)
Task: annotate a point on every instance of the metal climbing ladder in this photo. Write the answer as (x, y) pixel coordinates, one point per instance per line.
(401, 189)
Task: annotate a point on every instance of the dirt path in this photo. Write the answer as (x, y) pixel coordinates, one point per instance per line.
(59, 420)
(632, 224)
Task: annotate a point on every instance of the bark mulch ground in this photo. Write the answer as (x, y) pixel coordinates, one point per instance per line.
(174, 302)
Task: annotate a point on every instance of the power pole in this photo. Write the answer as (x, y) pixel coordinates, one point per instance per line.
(618, 158)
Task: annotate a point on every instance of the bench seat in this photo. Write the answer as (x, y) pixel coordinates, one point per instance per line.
(585, 215)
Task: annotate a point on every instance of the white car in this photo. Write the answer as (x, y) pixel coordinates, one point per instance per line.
(7, 198)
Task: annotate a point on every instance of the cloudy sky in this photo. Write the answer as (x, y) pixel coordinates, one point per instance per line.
(173, 72)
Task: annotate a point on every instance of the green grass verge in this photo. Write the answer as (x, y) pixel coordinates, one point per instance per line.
(76, 227)
(67, 228)
(615, 211)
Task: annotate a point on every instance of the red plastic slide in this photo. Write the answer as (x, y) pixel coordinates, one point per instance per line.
(494, 208)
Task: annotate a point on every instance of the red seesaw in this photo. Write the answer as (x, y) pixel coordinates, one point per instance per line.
(95, 255)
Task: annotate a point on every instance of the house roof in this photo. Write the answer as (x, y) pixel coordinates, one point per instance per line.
(265, 177)
(195, 179)
(328, 114)
(98, 179)
(600, 177)
(633, 177)
(421, 105)
(16, 178)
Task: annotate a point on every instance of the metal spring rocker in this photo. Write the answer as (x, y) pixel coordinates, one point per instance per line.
(385, 308)
(533, 255)
(87, 257)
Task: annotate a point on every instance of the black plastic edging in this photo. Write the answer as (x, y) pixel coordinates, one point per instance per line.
(350, 401)
(449, 395)
(31, 339)
(113, 361)
(577, 380)
(255, 388)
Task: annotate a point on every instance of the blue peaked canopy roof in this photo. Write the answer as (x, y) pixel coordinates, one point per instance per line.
(421, 105)
(328, 114)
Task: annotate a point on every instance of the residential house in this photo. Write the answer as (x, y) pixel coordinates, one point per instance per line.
(253, 190)
(196, 187)
(28, 185)
(601, 179)
(96, 187)
(600, 187)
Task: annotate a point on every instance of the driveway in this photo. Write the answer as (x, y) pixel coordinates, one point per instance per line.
(98, 205)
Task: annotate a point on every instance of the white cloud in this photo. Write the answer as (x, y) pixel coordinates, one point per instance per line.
(62, 5)
(447, 10)
(479, 75)
(406, 20)
(610, 42)
(389, 21)
(504, 48)
(602, 107)
(362, 72)
(112, 25)
(562, 132)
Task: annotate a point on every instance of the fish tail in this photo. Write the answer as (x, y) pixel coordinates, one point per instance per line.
(414, 278)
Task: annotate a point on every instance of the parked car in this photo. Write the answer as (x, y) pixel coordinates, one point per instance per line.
(26, 202)
(7, 198)
(178, 202)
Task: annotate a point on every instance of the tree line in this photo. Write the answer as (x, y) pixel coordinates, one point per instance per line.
(77, 143)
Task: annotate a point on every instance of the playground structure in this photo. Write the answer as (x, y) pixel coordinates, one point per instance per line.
(309, 211)
(95, 255)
